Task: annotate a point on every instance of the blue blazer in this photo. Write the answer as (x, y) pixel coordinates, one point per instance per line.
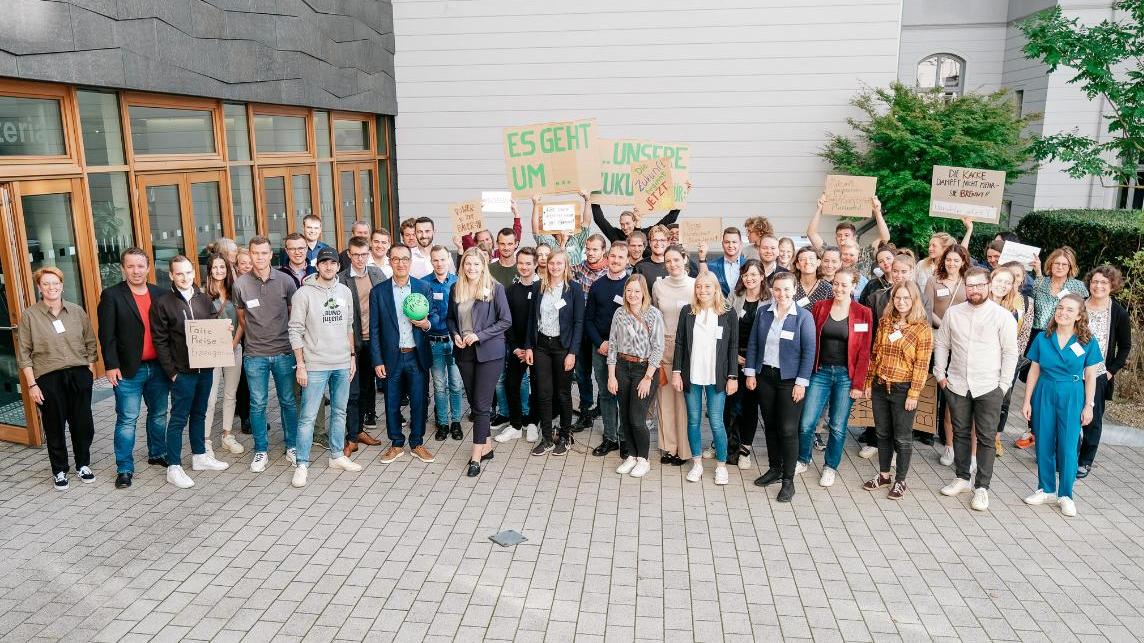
(796, 355)
(571, 318)
(491, 319)
(384, 335)
(716, 266)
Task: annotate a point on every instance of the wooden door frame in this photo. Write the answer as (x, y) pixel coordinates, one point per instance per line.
(287, 174)
(183, 181)
(355, 167)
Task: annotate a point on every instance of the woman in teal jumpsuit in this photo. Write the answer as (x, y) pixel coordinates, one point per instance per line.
(1059, 399)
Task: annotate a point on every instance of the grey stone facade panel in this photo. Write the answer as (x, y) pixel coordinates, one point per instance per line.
(333, 54)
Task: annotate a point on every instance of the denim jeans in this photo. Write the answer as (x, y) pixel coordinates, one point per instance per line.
(189, 395)
(716, 397)
(503, 407)
(609, 404)
(829, 384)
(151, 386)
(448, 389)
(258, 370)
(338, 382)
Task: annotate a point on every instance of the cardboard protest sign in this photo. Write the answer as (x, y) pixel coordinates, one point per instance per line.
(467, 217)
(552, 158)
(692, 232)
(849, 196)
(208, 343)
(617, 157)
(1019, 252)
(653, 186)
(959, 192)
(561, 216)
(496, 202)
(926, 419)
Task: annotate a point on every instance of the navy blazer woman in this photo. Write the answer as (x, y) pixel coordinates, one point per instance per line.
(726, 348)
(571, 317)
(490, 321)
(796, 354)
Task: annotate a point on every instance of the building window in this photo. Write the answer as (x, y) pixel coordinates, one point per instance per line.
(278, 133)
(1131, 196)
(237, 137)
(942, 71)
(31, 127)
(111, 221)
(102, 132)
(351, 136)
(169, 130)
(1019, 97)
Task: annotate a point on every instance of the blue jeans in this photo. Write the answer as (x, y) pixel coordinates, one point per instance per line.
(189, 395)
(258, 370)
(448, 389)
(609, 405)
(407, 375)
(829, 384)
(150, 385)
(502, 398)
(312, 395)
(716, 397)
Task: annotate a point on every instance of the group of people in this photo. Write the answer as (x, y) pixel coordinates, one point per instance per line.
(654, 340)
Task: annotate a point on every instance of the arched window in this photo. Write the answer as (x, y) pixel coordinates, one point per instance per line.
(944, 71)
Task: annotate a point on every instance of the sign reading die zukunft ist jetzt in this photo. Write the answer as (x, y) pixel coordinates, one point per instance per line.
(552, 158)
(960, 192)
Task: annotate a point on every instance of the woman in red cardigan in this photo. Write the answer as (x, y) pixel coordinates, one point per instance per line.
(844, 330)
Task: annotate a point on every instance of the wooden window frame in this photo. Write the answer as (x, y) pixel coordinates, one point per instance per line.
(183, 180)
(287, 173)
(71, 161)
(195, 161)
(282, 158)
(371, 138)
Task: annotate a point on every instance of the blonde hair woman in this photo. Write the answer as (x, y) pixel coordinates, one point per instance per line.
(1004, 291)
(635, 348)
(706, 365)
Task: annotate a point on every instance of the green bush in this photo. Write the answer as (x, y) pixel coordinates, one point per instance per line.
(1097, 236)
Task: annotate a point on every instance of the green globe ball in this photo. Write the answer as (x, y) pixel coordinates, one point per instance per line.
(415, 306)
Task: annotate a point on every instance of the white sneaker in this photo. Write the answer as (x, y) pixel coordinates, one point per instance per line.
(745, 461)
(1068, 507)
(258, 464)
(696, 472)
(231, 444)
(827, 478)
(867, 452)
(641, 468)
(627, 465)
(980, 499)
(947, 458)
(972, 466)
(956, 487)
(344, 463)
(721, 475)
(210, 448)
(292, 456)
(531, 433)
(708, 453)
(509, 434)
(207, 462)
(1039, 497)
(299, 479)
(179, 478)
(85, 475)
(799, 468)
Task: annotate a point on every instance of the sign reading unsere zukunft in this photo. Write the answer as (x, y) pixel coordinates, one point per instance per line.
(617, 157)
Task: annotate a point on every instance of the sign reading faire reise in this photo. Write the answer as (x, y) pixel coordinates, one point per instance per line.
(617, 157)
(960, 192)
(552, 158)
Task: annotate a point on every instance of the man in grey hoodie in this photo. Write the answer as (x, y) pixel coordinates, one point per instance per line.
(321, 334)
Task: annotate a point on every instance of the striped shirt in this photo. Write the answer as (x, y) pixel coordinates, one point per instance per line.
(901, 359)
(639, 336)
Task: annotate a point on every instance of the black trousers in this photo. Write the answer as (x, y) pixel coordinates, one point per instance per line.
(480, 379)
(781, 415)
(633, 408)
(893, 424)
(514, 371)
(553, 385)
(242, 398)
(67, 401)
(363, 393)
(744, 423)
(1090, 439)
(974, 418)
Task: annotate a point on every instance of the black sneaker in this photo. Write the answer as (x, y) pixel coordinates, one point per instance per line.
(497, 420)
(1082, 471)
(162, 462)
(370, 420)
(455, 431)
(86, 475)
(442, 432)
(122, 481)
(542, 447)
(61, 481)
(623, 451)
(561, 447)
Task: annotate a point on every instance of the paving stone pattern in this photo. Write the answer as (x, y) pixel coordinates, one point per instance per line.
(401, 552)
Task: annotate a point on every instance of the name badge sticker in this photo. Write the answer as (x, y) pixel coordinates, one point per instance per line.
(942, 292)
(895, 336)
(440, 296)
(1076, 348)
(742, 313)
(530, 294)
(1062, 293)
(804, 302)
(618, 300)
(718, 332)
(861, 328)
(58, 325)
(560, 303)
(786, 334)
(252, 303)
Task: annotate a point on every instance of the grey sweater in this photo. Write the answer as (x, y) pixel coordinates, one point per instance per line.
(321, 324)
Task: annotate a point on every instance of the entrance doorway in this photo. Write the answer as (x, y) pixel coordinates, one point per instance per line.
(184, 211)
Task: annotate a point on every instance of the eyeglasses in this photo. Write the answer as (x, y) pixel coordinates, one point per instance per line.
(400, 259)
(359, 255)
(980, 285)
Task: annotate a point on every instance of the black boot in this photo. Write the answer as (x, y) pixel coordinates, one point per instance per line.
(770, 477)
(787, 490)
(606, 447)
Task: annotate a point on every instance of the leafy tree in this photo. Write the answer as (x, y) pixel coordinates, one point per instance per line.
(905, 132)
(1106, 60)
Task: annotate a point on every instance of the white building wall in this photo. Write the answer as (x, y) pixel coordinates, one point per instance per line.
(753, 87)
(1030, 77)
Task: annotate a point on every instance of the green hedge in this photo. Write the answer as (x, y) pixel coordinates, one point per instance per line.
(1097, 236)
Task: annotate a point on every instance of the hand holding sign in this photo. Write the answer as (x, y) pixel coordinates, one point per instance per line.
(1019, 252)
(849, 196)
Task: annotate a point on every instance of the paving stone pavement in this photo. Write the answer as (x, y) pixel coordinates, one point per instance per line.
(401, 552)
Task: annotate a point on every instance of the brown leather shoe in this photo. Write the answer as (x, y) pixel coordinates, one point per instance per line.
(391, 454)
(368, 439)
(350, 448)
(422, 454)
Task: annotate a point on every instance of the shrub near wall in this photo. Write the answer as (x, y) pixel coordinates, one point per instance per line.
(1097, 236)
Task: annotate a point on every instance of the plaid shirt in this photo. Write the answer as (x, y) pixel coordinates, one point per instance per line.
(585, 276)
(906, 360)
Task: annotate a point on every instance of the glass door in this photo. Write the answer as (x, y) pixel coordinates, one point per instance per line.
(185, 213)
(287, 196)
(357, 187)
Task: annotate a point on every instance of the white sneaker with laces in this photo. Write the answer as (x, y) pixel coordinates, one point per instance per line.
(627, 465)
(696, 472)
(708, 453)
(980, 499)
(292, 456)
(231, 444)
(299, 479)
(1039, 497)
(867, 452)
(61, 481)
(745, 461)
(85, 475)
(1068, 507)
(258, 464)
(799, 468)
(344, 463)
(947, 457)
(531, 433)
(179, 478)
(721, 476)
(508, 434)
(641, 468)
(827, 478)
(956, 487)
(206, 462)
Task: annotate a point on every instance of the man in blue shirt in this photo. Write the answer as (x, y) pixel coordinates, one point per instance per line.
(312, 235)
(448, 389)
(726, 268)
